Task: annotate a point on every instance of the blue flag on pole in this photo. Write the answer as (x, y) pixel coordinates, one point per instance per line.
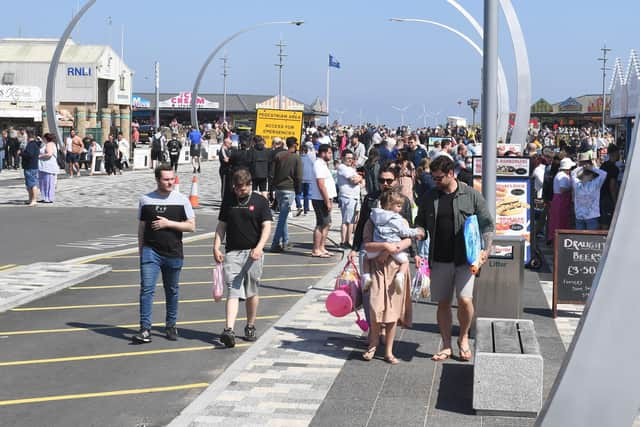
(333, 62)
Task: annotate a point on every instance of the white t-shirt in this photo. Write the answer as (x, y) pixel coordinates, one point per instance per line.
(321, 171)
(538, 179)
(586, 195)
(561, 180)
(69, 144)
(345, 187)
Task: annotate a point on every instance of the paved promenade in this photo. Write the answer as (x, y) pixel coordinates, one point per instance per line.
(306, 369)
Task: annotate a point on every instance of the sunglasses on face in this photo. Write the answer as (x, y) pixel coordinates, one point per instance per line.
(386, 181)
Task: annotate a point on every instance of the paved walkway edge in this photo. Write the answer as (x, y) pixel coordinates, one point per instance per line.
(9, 303)
(198, 406)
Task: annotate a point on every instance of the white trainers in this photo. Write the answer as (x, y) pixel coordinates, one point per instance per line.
(398, 281)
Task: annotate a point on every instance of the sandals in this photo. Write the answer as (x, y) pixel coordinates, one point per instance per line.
(391, 360)
(442, 355)
(369, 354)
(465, 354)
(322, 255)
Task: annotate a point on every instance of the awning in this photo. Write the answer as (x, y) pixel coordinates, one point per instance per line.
(20, 113)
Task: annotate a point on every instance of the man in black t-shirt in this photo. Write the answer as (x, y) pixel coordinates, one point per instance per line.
(443, 213)
(245, 221)
(163, 216)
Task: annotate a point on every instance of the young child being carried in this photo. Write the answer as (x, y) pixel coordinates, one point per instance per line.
(391, 227)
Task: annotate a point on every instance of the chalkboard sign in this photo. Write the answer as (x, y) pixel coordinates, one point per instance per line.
(576, 258)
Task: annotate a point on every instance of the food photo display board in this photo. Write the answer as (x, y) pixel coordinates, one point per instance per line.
(514, 197)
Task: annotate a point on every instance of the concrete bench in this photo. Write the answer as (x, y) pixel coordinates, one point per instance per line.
(507, 376)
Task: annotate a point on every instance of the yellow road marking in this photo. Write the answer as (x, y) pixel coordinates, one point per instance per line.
(102, 394)
(204, 267)
(206, 282)
(133, 326)
(115, 355)
(130, 304)
(7, 266)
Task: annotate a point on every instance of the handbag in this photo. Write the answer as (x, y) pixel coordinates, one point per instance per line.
(421, 283)
(347, 295)
(218, 282)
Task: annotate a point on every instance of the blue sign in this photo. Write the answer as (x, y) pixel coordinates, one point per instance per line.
(79, 71)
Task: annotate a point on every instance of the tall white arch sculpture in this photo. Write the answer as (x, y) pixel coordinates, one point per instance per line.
(523, 71)
(503, 91)
(503, 88)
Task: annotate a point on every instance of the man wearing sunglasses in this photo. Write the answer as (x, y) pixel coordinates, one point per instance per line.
(442, 213)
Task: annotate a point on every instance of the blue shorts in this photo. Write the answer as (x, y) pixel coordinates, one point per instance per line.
(72, 157)
(31, 178)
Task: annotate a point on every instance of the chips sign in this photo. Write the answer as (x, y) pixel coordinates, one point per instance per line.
(278, 123)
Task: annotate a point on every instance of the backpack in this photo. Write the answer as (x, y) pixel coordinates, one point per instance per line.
(259, 163)
(156, 144)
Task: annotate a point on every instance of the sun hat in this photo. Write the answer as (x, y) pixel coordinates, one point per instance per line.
(566, 164)
(585, 156)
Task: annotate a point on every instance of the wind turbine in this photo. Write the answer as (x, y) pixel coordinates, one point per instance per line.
(402, 111)
(423, 116)
(435, 116)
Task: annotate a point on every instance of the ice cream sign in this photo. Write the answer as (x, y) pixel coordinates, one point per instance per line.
(183, 100)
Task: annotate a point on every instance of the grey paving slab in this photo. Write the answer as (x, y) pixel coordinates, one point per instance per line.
(29, 282)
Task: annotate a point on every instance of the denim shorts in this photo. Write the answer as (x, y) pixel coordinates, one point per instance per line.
(31, 178)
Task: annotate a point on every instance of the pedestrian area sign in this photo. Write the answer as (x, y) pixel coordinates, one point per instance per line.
(278, 123)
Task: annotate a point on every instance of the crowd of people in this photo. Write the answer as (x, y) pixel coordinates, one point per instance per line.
(393, 188)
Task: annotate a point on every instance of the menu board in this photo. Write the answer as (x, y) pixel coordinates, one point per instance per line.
(513, 211)
(508, 167)
(576, 258)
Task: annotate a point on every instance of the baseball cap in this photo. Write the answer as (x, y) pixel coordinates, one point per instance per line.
(566, 164)
(276, 140)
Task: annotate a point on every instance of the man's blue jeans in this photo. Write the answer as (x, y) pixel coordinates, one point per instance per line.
(152, 263)
(285, 200)
(304, 196)
(588, 224)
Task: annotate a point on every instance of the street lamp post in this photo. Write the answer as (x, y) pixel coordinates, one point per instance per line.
(196, 86)
(473, 103)
(604, 69)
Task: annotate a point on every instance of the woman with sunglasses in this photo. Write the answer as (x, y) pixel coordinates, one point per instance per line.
(376, 303)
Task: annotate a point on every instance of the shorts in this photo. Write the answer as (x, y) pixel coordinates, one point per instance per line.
(31, 178)
(447, 277)
(242, 274)
(323, 216)
(400, 257)
(72, 157)
(156, 155)
(194, 150)
(259, 184)
(348, 208)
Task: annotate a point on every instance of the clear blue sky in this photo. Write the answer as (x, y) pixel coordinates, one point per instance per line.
(383, 63)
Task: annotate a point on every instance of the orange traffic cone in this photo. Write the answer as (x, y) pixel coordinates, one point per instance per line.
(194, 199)
(176, 185)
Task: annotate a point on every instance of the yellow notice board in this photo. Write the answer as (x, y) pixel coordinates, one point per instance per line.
(280, 123)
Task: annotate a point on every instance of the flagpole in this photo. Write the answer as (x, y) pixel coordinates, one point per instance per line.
(328, 74)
